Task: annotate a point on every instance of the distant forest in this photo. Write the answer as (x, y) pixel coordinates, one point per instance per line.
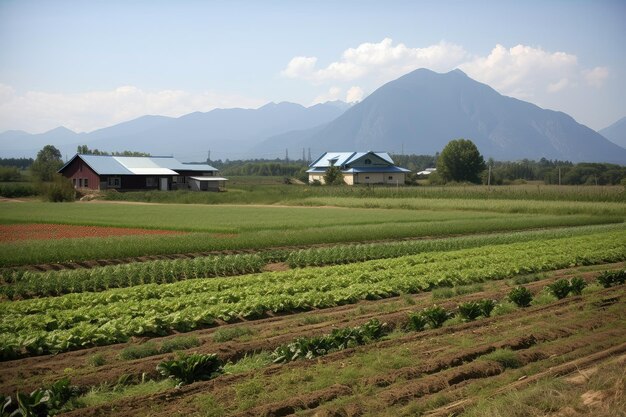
(545, 170)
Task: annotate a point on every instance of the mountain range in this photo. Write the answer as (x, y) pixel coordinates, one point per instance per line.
(417, 113)
(616, 132)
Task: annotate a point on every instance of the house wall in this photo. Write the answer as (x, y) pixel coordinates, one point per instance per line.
(78, 171)
(318, 177)
(379, 178)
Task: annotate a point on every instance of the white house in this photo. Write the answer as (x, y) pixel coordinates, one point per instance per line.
(359, 168)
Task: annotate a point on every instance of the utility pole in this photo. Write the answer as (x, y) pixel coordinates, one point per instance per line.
(402, 153)
(303, 160)
(559, 175)
(208, 158)
(489, 177)
(286, 155)
(309, 159)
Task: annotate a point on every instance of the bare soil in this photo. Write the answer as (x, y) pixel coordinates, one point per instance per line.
(35, 231)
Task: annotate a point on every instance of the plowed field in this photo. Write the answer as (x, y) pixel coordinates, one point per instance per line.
(17, 232)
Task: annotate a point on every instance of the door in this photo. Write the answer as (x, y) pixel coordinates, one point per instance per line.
(163, 184)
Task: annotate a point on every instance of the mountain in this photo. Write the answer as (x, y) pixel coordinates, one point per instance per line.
(616, 133)
(228, 133)
(422, 111)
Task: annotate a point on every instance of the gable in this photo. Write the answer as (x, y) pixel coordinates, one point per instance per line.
(368, 160)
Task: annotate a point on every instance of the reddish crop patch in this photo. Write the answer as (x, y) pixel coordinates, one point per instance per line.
(16, 232)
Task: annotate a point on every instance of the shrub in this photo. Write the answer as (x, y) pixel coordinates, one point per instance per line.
(96, 360)
(521, 296)
(610, 278)
(486, 307)
(416, 322)
(577, 285)
(59, 190)
(559, 288)
(470, 310)
(17, 190)
(190, 368)
(435, 316)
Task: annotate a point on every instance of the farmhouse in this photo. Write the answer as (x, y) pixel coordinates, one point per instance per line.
(359, 168)
(104, 172)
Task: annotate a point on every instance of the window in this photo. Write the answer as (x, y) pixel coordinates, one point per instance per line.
(390, 177)
(86, 183)
(74, 182)
(80, 183)
(114, 182)
(368, 161)
(151, 182)
(367, 178)
(178, 179)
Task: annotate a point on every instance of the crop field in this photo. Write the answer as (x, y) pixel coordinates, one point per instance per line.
(434, 304)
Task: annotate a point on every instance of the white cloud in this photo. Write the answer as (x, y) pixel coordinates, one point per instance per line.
(36, 111)
(522, 71)
(383, 60)
(334, 93)
(558, 86)
(354, 94)
(596, 76)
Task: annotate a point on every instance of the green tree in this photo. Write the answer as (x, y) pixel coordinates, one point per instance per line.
(47, 163)
(333, 176)
(460, 161)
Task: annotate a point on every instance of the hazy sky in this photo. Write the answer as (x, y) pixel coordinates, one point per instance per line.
(90, 64)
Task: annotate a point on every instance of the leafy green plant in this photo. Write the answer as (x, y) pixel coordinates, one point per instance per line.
(339, 339)
(610, 278)
(96, 360)
(486, 307)
(190, 368)
(435, 316)
(521, 296)
(559, 288)
(416, 322)
(470, 310)
(577, 285)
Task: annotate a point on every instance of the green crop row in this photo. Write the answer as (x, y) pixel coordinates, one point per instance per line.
(27, 284)
(345, 254)
(76, 321)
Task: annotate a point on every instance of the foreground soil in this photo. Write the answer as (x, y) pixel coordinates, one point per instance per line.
(17, 232)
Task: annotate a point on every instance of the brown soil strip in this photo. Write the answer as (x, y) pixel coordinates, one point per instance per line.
(555, 371)
(18, 232)
(300, 402)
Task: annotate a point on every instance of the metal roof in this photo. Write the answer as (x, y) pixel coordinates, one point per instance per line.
(392, 168)
(345, 158)
(209, 178)
(137, 165)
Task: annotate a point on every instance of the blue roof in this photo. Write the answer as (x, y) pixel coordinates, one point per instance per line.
(345, 158)
(104, 165)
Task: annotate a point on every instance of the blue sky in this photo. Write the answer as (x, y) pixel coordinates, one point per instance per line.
(91, 64)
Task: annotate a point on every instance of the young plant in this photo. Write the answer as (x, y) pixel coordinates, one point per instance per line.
(610, 278)
(190, 368)
(559, 288)
(416, 322)
(577, 285)
(470, 310)
(435, 316)
(521, 296)
(486, 307)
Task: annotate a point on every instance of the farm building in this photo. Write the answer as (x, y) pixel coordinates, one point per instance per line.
(104, 172)
(359, 168)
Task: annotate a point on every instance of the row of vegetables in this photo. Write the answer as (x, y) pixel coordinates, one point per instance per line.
(22, 284)
(188, 368)
(76, 321)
